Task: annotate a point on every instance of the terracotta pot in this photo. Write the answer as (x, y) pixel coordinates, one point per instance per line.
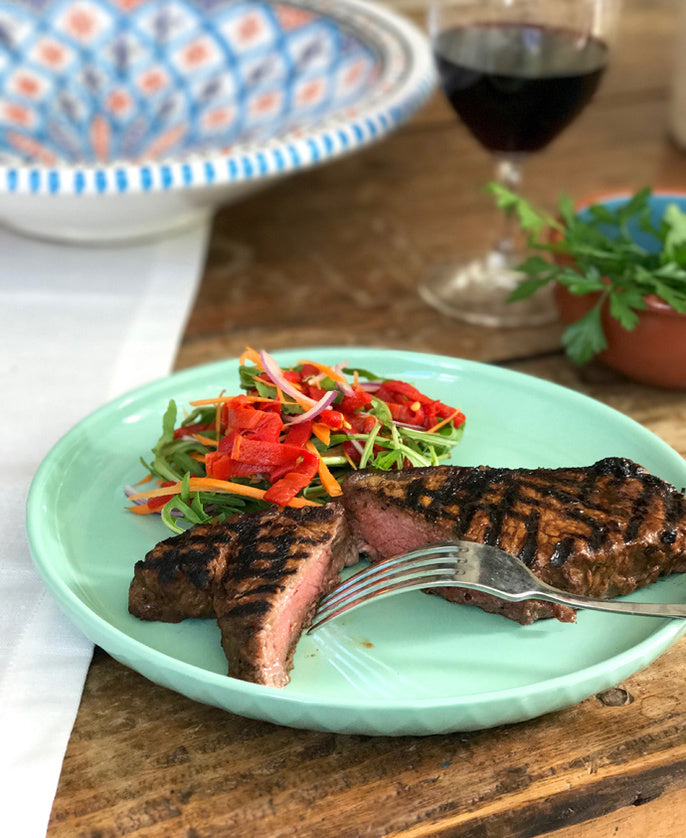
(654, 352)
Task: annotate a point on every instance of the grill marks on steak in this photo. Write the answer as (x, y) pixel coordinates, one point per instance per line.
(175, 581)
(602, 530)
(267, 594)
(262, 576)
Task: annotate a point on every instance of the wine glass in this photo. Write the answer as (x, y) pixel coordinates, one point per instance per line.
(517, 72)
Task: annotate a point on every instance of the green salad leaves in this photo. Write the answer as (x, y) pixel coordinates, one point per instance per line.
(289, 438)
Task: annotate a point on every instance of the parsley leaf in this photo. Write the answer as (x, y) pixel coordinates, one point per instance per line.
(620, 254)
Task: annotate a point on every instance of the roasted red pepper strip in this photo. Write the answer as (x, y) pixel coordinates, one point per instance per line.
(299, 433)
(362, 423)
(333, 419)
(286, 488)
(222, 467)
(265, 454)
(155, 504)
(389, 391)
(401, 397)
(354, 401)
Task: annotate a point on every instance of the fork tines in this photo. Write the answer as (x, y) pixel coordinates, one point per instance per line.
(425, 567)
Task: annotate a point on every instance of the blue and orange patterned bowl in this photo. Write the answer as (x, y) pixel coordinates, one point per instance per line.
(124, 119)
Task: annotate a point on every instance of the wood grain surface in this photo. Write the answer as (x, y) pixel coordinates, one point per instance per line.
(333, 256)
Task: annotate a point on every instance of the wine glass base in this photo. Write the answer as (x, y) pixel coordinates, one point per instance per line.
(477, 292)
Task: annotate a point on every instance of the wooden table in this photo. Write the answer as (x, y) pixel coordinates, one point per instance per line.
(332, 256)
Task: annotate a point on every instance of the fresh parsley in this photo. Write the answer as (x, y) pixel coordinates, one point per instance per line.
(597, 252)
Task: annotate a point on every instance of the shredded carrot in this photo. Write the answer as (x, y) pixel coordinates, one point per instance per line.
(351, 463)
(322, 432)
(225, 399)
(329, 482)
(197, 456)
(306, 403)
(197, 484)
(205, 440)
(218, 417)
(445, 421)
(174, 489)
(330, 372)
(249, 354)
(146, 479)
(140, 509)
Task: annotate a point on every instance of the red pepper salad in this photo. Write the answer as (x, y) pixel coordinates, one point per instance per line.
(288, 439)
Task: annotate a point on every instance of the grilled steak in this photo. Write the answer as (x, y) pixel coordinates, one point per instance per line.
(281, 566)
(262, 575)
(602, 530)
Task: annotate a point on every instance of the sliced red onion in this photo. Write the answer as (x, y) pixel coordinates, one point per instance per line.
(274, 372)
(316, 408)
(357, 445)
(369, 386)
(410, 426)
(131, 490)
(343, 386)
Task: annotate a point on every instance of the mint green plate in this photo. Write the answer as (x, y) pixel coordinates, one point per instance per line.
(411, 664)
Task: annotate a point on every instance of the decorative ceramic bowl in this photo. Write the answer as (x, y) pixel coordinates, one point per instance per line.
(654, 352)
(130, 118)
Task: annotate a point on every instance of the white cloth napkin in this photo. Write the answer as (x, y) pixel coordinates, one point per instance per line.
(78, 326)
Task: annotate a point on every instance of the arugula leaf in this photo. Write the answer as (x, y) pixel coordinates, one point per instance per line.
(247, 374)
(369, 445)
(362, 373)
(161, 465)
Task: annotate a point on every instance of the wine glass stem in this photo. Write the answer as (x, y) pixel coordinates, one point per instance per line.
(508, 173)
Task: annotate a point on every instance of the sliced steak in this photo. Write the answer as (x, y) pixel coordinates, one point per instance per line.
(601, 530)
(281, 566)
(262, 576)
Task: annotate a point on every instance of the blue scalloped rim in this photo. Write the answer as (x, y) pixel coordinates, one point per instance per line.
(288, 153)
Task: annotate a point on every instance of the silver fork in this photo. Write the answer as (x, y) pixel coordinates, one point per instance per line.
(465, 564)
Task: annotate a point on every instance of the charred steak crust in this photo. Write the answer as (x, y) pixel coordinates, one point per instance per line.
(248, 571)
(175, 579)
(266, 595)
(601, 530)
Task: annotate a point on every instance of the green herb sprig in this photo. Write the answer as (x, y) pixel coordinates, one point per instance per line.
(601, 256)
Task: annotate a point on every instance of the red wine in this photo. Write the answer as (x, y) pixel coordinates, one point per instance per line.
(516, 86)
